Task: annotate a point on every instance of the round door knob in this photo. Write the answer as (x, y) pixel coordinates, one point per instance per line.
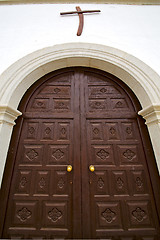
(69, 168)
(91, 168)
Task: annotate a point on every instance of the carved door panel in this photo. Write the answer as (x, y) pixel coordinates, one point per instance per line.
(121, 199)
(80, 117)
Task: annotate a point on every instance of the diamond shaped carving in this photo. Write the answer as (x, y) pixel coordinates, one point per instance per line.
(61, 183)
(59, 104)
(23, 182)
(58, 154)
(129, 130)
(47, 130)
(24, 214)
(56, 90)
(119, 104)
(100, 183)
(103, 90)
(108, 215)
(31, 130)
(139, 182)
(112, 131)
(32, 155)
(139, 214)
(63, 131)
(102, 154)
(42, 183)
(129, 154)
(120, 183)
(54, 215)
(39, 104)
(96, 131)
(97, 105)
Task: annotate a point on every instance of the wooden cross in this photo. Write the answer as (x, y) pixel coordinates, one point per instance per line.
(81, 17)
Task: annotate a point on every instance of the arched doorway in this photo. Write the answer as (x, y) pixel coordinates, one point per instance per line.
(81, 117)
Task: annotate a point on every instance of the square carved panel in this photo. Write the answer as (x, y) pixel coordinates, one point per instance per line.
(128, 155)
(58, 154)
(54, 214)
(140, 214)
(102, 154)
(109, 215)
(32, 154)
(25, 214)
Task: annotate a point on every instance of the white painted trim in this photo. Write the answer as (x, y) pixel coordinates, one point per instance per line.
(8, 115)
(143, 80)
(138, 76)
(151, 114)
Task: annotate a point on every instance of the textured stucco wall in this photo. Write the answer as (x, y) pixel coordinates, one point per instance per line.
(27, 28)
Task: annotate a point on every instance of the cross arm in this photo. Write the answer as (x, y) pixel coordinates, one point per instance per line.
(85, 11)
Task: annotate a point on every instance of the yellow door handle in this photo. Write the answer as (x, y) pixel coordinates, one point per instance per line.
(69, 168)
(91, 168)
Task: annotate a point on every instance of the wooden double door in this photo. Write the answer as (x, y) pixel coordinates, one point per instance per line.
(80, 117)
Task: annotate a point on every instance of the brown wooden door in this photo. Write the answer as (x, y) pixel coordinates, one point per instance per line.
(120, 193)
(80, 117)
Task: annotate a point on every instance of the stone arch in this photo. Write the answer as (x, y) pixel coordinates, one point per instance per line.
(143, 81)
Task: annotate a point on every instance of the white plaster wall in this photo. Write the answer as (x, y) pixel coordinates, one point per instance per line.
(27, 28)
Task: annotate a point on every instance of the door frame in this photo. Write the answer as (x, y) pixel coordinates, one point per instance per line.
(11, 154)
